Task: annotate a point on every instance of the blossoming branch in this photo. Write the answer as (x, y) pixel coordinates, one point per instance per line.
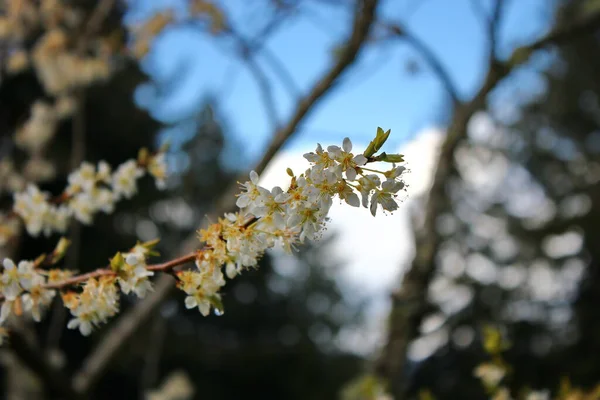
(235, 243)
(90, 190)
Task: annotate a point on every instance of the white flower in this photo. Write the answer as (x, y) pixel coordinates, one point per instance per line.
(124, 180)
(133, 276)
(37, 298)
(538, 395)
(158, 169)
(32, 206)
(198, 301)
(253, 194)
(83, 323)
(104, 172)
(57, 219)
(16, 279)
(490, 374)
(103, 199)
(348, 162)
(82, 179)
(82, 207)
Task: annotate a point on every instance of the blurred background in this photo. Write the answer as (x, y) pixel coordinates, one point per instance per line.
(494, 103)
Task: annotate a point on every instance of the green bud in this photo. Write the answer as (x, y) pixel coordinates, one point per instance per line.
(392, 158)
(143, 156)
(290, 172)
(60, 250)
(117, 262)
(377, 143)
(150, 244)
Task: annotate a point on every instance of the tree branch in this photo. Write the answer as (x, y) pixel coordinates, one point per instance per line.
(430, 58)
(409, 303)
(123, 329)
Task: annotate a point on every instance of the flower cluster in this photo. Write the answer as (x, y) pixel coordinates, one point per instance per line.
(98, 301)
(235, 243)
(23, 289)
(269, 218)
(132, 272)
(91, 189)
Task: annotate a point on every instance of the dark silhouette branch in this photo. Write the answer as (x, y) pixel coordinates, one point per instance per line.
(409, 303)
(430, 58)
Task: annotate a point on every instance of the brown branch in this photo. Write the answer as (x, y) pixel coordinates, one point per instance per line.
(409, 303)
(124, 328)
(75, 280)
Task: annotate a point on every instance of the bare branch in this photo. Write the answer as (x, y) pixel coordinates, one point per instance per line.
(494, 26)
(247, 54)
(431, 59)
(124, 328)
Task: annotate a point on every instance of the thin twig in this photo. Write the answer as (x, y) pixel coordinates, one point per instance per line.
(432, 60)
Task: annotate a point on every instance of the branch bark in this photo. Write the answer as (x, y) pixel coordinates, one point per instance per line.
(123, 329)
(430, 58)
(409, 303)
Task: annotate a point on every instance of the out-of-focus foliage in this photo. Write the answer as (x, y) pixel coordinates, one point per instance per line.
(520, 242)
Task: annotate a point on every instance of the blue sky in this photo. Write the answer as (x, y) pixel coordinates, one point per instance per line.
(185, 65)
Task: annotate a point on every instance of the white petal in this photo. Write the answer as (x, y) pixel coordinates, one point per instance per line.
(231, 270)
(374, 204)
(353, 200)
(8, 263)
(360, 159)
(351, 174)
(85, 328)
(254, 177)
(204, 308)
(132, 259)
(190, 302)
(243, 201)
(73, 324)
(347, 145)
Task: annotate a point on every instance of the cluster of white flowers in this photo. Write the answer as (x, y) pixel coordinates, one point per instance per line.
(90, 190)
(269, 218)
(22, 287)
(132, 272)
(98, 301)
